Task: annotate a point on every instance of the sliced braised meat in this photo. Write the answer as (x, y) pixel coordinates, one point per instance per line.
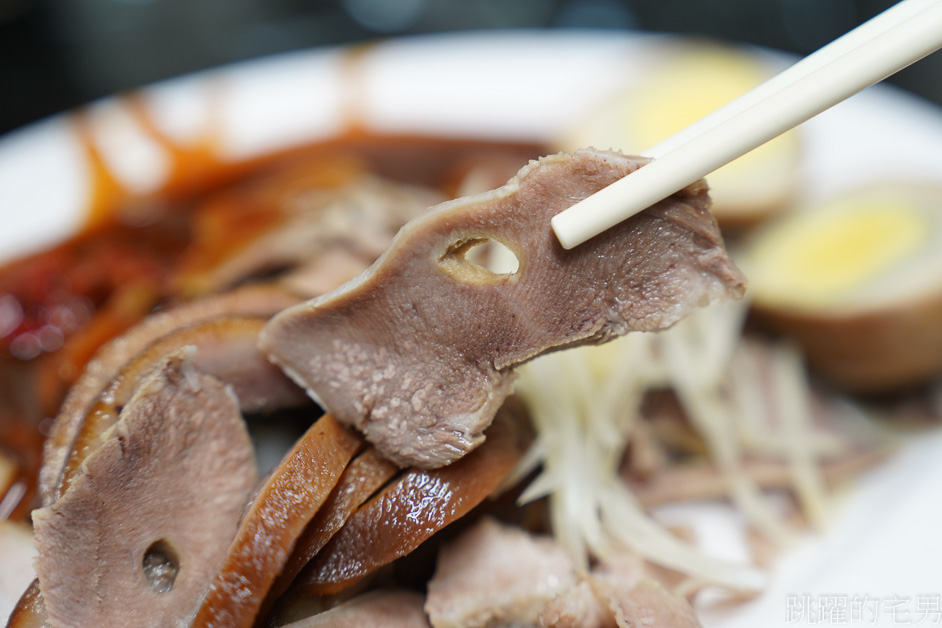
(412, 508)
(225, 347)
(290, 497)
(324, 271)
(578, 608)
(763, 393)
(649, 604)
(418, 352)
(494, 575)
(637, 599)
(379, 609)
(30, 611)
(701, 480)
(21, 437)
(260, 301)
(294, 217)
(139, 535)
(365, 475)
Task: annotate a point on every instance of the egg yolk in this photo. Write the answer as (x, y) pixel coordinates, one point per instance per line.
(693, 86)
(687, 91)
(819, 259)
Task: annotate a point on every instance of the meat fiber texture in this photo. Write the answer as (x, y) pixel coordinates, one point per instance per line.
(418, 352)
(173, 475)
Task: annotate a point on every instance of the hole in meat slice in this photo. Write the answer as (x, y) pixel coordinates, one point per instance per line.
(160, 565)
(493, 255)
(480, 260)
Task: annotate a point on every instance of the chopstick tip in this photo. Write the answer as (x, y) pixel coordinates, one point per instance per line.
(565, 231)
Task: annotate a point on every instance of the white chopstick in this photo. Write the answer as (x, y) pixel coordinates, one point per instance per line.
(891, 18)
(882, 46)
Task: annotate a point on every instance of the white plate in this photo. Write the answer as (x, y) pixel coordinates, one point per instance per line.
(883, 550)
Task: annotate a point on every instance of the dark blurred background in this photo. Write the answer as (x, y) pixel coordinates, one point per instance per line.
(57, 54)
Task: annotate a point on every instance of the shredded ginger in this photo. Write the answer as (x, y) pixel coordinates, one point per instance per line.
(585, 401)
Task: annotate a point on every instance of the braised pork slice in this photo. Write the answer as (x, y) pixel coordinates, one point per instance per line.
(378, 609)
(636, 597)
(413, 507)
(290, 496)
(225, 348)
(496, 575)
(257, 301)
(418, 352)
(137, 538)
(293, 219)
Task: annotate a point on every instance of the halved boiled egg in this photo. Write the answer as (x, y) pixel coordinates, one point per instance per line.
(686, 83)
(857, 281)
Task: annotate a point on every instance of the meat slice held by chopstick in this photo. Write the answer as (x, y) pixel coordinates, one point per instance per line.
(418, 352)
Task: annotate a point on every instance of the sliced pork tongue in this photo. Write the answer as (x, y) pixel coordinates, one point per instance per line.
(418, 352)
(208, 322)
(139, 535)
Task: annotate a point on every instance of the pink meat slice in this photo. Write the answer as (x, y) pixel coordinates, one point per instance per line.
(378, 609)
(113, 356)
(636, 598)
(139, 535)
(418, 352)
(496, 575)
